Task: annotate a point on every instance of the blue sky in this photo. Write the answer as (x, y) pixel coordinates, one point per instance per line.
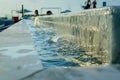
(75, 5)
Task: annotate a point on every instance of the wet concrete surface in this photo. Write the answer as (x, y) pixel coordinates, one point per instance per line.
(18, 57)
(19, 61)
(77, 73)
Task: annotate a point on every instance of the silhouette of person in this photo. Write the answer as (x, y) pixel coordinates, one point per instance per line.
(88, 4)
(94, 3)
(36, 13)
(49, 13)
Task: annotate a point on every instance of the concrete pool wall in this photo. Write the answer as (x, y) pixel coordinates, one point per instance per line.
(95, 30)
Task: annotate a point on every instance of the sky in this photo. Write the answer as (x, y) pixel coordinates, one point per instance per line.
(8, 6)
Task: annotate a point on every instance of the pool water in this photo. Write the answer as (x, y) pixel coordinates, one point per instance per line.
(55, 51)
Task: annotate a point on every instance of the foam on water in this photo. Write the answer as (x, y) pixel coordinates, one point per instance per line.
(56, 50)
(47, 44)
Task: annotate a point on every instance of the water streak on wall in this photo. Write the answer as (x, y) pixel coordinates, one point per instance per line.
(96, 30)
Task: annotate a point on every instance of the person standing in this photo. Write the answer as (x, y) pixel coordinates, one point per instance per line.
(36, 13)
(88, 4)
(94, 3)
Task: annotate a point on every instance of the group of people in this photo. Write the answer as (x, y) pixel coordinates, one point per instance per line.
(47, 13)
(89, 5)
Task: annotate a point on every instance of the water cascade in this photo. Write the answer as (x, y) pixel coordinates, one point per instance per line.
(94, 32)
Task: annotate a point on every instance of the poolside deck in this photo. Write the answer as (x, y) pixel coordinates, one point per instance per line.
(18, 57)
